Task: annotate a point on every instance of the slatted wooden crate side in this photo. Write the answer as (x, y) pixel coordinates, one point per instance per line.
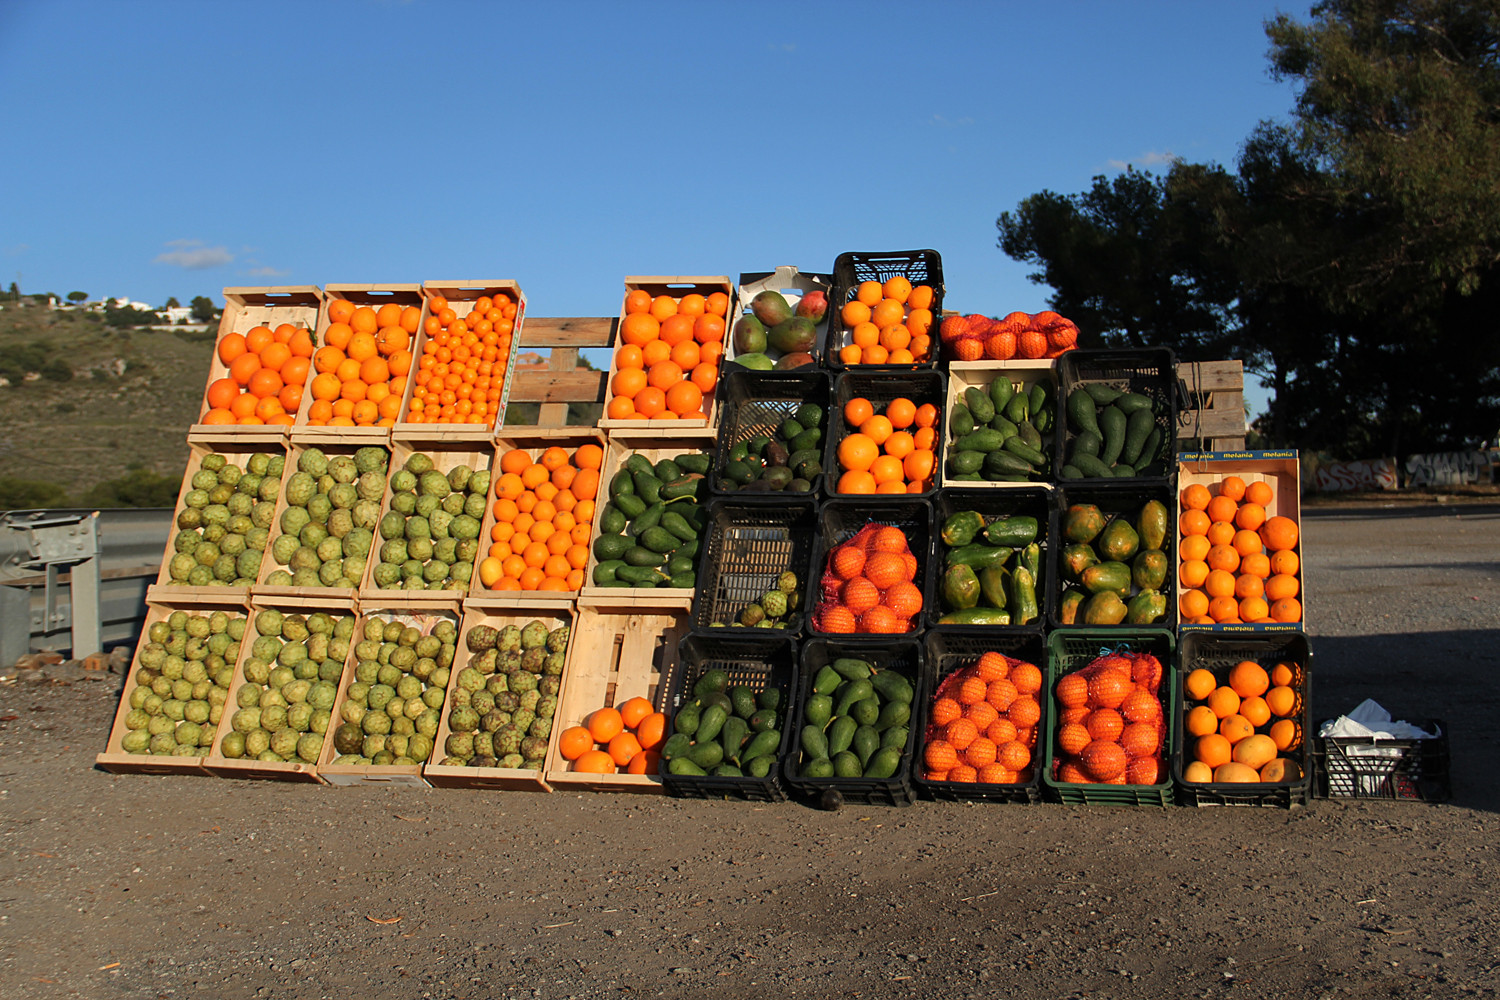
(563, 382)
(1216, 404)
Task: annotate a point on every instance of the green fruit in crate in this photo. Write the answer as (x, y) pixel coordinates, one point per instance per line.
(749, 337)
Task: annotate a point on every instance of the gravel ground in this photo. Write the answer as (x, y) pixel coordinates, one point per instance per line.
(135, 886)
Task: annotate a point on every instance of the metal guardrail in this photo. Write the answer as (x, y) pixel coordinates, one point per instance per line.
(130, 547)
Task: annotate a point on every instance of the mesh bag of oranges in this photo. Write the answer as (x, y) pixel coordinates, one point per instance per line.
(360, 371)
(982, 723)
(1110, 726)
(541, 518)
(461, 370)
(1237, 563)
(267, 371)
(667, 361)
(869, 585)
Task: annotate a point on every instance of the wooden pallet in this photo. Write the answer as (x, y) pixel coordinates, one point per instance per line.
(1216, 404)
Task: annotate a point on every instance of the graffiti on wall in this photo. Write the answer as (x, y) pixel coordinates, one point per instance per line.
(1449, 468)
(1345, 477)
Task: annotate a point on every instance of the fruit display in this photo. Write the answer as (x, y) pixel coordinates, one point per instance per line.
(282, 701)
(777, 332)
(788, 459)
(624, 739)
(1112, 565)
(886, 323)
(360, 371)
(1018, 335)
(429, 533)
(389, 712)
(982, 723)
(1244, 724)
(856, 721)
(1110, 724)
(886, 447)
(1002, 431)
(868, 584)
(179, 686)
(726, 730)
(266, 372)
(1238, 562)
(224, 520)
(746, 579)
(504, 696)
(781, 420)
(329, 512)
(992, 570)
(1119, 418)
(542, 518)
(667, 362)
(650, 529)
(463, 361)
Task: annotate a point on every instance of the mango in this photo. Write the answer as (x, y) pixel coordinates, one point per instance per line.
(771, 307)
(813, 306)
(749, 335)
(796, 335)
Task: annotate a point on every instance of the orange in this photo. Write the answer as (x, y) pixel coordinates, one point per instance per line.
(1213, 750)
(686, 355)
(1223, 701)
(877, 355)
(1256, 564)
(1250, 516)
(243, 367)
(1281, 701)
(692, 304)
(605, 724)
(856, 481)
(574, 742)
(869, 292)
(637, 300)
(595, 762)
(664, 374)
(717, 304)
(896, 288)
(1279, 533)
(1281, 586)
(1193, 604)
(899, 444)
(364, 320)
(218, 415)
(650, 401)
(663, 306)
(231, 346)
(1248, 586)
(857, 452)
(645, 762)
(901, 412)
(919, 465)
(865, 334)
(857, 411)
(1232, 487)
(920, 297)
(1221, 508)
(887, 469)
(1220, 583)
(244, 405)
(1256, 710)
(639, 329)
(1193, 547)
(854, 313)
(1235, 728)
(1199, 684)
(1285, 561)
(1193, 572)
(1259, 492)
(652, 730)
(684, 397)
(1285, 733)
(708, 329)
(1287, 609)
(877, 428)
(339, 310)
(1193, 522)
(1220, 533)
(1246, 542)
(676, 329)
(886, 312)
(1224, 610)
(1195, 497)
(264, 383)
(628, 382)
(1201, 721)
(623, 748)
(222, 393)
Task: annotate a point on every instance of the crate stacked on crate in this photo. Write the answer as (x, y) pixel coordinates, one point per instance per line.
(991, 560)
(1001, 423)
(362, 364)
(885, 437)
(782, 320)
(472, 330)
(884, 311)
(258, 375)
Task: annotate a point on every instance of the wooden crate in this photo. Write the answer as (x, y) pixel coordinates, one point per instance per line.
(568, 438)
(281, 594)
(446, 455)
(1282, 471)
(654, 448)
(505, 778)
(981, 374)
(115, 758)
(243, 767)
(676, 287)
(408, 775)
(1215, 412)
(373, 296)
(617, 652)
(237, 449)
(245, 309)
(461, 297)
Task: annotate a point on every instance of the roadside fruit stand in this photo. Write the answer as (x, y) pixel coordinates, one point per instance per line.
(827, 539)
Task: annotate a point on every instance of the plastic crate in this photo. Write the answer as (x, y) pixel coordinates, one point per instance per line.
(753, 661)
(920, 267)
(1035, 501)
(918, 386)
(841, 520)
(1218, 653)
(948, 650)
(1114, 502)
(1150, 372)
(981, 375)
(756, 402)
(1073, 649)
(1355, 767)
(885, 653)
(747, 548)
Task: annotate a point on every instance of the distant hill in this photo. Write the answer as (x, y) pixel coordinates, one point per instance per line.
(101, 402)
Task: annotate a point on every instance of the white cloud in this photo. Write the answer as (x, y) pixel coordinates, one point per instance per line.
(942, 122)
(17, 249)
(781, 47)
(267, 272)
(194, 256)
(1155, 158)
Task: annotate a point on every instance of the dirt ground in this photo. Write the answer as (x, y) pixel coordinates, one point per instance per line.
(133, 886)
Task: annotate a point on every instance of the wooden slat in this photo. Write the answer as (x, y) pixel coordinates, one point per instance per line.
(1214, 422)
(577, 331)
(580, 386)
(1212, 376)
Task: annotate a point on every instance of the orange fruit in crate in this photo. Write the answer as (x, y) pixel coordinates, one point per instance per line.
(574, 742)
(595, 762)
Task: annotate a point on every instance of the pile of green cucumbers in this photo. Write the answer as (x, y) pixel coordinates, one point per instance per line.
(650, 529)
(856, 721)
(724, 731)
(992, 571)
(1002, 435)
(1115, 434)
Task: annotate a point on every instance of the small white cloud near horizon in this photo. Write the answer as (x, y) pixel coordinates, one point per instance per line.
(1152, 159)
(192, 255)
(267, 272)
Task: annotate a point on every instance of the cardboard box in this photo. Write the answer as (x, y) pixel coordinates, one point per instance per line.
(793, 285)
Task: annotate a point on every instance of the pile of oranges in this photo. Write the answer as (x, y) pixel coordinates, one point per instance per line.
(544, 517)
(1231, 725)
(1019, 335)
(1235, 563)
(1110, 725)
(983, 723)
(461, 374)
(626, 740)
(893, 450)
(887, 323)
(361, 368)
(668, 358)
(870, 584)
(267, 371)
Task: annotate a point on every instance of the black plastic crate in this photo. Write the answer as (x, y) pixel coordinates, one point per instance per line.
(841, 520)
(1073, 649)
(1031, 501)
(947, 651)
(753, 661)
(756, 402)
(904, 655)
(747, 547)
(850, 269)
(1354, 767)
(1114, 501)
(1149, 372)
(880, 389)
(1219, 653)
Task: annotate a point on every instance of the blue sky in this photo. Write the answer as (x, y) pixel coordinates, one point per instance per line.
(176, 148)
